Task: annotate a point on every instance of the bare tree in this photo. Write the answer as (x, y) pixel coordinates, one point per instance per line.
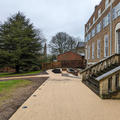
(61, 43)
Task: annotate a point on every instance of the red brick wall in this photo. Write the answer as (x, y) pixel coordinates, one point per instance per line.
(71, 60)
(74, 64)
(69, 56)
(7, 69)
(52, 65)
(66, 60)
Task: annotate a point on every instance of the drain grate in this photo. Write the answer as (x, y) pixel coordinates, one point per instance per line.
(24, 107)
(34, 95)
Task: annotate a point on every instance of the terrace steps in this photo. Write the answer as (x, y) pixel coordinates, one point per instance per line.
(90, 74)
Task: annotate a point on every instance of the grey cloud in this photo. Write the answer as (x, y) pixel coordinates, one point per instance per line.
(52, 15)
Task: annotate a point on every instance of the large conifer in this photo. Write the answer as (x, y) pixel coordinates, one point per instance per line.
(20, 43)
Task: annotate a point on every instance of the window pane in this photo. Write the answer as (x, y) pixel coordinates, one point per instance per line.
(88, 52)
(106, 46)
(92, 50)
(98, 48)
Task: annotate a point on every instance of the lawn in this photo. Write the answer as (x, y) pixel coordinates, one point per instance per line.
(17, 74)
(8, 87)
(14, 93)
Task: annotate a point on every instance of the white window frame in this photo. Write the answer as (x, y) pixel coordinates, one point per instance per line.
(93, 50)
(89, 36)
(99, 27)
(93, 32)
(88, 52)
(89, 25)
(98, 48)
(106, 46)
(99, 13)
(113, 13)
(93, 20)
(118, 13)
(106, 3)
(106, 20)
(117, 10)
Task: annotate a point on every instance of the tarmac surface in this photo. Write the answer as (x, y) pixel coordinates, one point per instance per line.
(66, 98)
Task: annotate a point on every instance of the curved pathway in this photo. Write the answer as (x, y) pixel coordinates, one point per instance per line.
(64, 98)
(23, 77)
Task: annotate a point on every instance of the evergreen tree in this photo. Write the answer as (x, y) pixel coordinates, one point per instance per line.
(20, 43)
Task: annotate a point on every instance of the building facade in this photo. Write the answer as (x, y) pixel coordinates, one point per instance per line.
(80, 49)
(102, 31)
(71, 60)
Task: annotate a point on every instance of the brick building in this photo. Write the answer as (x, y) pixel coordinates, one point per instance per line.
(71, 60)
(102, 35)
(102, 31)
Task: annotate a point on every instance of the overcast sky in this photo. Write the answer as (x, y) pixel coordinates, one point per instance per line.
(52, 16)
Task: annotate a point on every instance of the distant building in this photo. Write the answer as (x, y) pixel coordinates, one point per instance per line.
(80, 48)
(71, 60)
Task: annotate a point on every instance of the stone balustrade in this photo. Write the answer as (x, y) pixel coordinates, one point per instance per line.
(101, 67)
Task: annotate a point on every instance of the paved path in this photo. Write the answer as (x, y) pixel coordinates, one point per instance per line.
(22, 77)
(64, 98)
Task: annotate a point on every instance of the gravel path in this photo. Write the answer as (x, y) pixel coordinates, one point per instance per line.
(64, 98)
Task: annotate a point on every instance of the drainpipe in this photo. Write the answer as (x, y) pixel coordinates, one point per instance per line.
(111, 14)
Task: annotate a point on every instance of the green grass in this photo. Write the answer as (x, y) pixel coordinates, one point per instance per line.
(8, 87)
(16, 74)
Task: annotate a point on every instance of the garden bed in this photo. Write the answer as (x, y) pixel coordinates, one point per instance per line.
(16, 93)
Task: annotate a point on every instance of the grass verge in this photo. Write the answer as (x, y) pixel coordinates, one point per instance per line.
(8, 87)
(17, 74)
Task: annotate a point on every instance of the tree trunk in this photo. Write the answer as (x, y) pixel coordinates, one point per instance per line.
(17, 67)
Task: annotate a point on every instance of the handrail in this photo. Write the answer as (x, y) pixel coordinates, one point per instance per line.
(90, 67)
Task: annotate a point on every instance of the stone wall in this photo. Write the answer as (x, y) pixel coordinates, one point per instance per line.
(104, 85)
